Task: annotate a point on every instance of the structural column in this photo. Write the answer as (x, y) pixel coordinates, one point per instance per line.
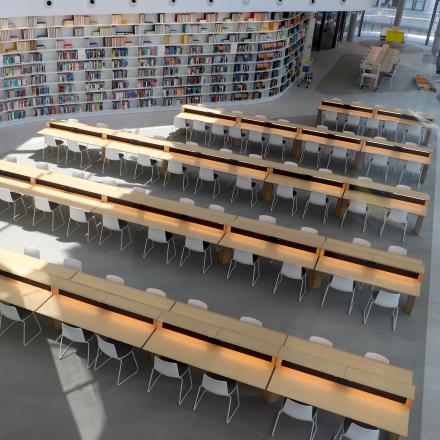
(399, 13)
(352, 25)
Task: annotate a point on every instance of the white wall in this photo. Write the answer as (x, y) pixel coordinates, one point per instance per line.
(17, 8)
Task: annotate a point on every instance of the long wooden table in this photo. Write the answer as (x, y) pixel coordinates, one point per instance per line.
(404, 117)
(383, 55)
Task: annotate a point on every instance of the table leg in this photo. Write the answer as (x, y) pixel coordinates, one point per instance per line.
(314, 279)
(424, 173)
(225, 255)
(269, 397)
(359, 160)
(267, 191)
(409, 304)
(319, 117)
(296, 148)
(341, 206)
(164, 167)
(418, 225)
(427, 136)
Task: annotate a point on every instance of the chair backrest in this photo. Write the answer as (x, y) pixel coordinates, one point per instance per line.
(49, 140)
(292, 271)
(413, 167)
(187, 201)
(237, 112)
(73, 146)
(78, 174)
(255, 136)
(31, 251)
(101, 125)
(344, 284)
(357, 432)
(311, 147)
(73, 120)
(372, 123)
(175, 167)
(9, 311)
(255, 156)
(75, 334)
(399, 216)
(157, 235)
(235, 133)
(215, 386)
(115, 279)
(267, 219)
(198, 303)
(317, 198)
(144, 160)
(218, 208)
(226, 150)
(179, 122)
(365, 178)
(251, 320)
(111, 223)
(42, 166)
(109, 181)
(361, 241)
(330, 116)
(322, 127)
(399, 250)
(73, 263)
(194, 244)
(161, 138)
(379, 160)
(243, 257)
(5, 195)
(377, 357)
(286, 121)
(199, 126)
(353, 120)
(42, 204)
(77, 214)
(388, 300)
(192, 144)
(309, 230)
(285, 191)
(276, 140)
(218, 129)
(292, 164)
(11, 158)
(320, 340)
(299, 411)
(141, 190)
(243, 182)
(107, 347)
(325, 170)
(157, 292)
(403, 187)
(167, 368)
(112, 154)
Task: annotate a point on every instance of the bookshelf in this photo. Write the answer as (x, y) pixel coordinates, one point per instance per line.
(58, 65)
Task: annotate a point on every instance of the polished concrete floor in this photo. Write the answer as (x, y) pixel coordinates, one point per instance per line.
(43, 398)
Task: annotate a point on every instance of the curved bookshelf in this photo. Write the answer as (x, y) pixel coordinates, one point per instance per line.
(71, 64)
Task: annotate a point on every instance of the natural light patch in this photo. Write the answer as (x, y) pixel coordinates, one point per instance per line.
(34, 143)
(163, 130)
(82, 393)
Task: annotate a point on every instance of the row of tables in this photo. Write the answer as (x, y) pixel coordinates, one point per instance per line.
(377, 112)
(274, 362)
(319, 254)
(269, 173)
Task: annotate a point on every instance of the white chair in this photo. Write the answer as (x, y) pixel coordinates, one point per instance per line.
(197, 303)
(321, 340)
(178, 169)
(311, 148)
(75, 147)
(341, 284)
(285, 192)
(377, 357)
(341, 154)
(379, 161)
(74, 335)
(199, 127)
(246, 184)
(115, 279)
(45, 206)
(109, 181)
(219, 386)
(255, 137)
(267, 219)
(332, 118)
(200, 246)
(157, 292)
(361, 242)
(162, 237)
(299, 411)
(371, 127)
(293, 272)
(208, 175)
(51, 143)
(118, 351)
(384, 299)
(358, 207)
(113, 155)
(181, 124)
(11, 158)
(395, 216)
(413, 133)
(187, 201)
(73, 263)
(101, 125)
(174, 370)
(237, 135)
(42, 166)
(389, 130)
(353, 123)
(309, 230)
(218, 130)
(250, 320)
(322, 127)
(113, 224)
(31, 251)
(226, 150)
(218, 208)
(17, 314)
(397, 250)
(12, 198)
(318, 199)
(248, 259)
(79, 216)
(145, 161)
(237, 112)
(353, 430)
(414, 169)
(78, 174)
(277, 141)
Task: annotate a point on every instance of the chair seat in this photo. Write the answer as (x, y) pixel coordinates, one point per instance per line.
(348, 422)
(230, 383)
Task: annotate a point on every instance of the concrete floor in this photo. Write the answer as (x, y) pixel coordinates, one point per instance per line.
(43, 398)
